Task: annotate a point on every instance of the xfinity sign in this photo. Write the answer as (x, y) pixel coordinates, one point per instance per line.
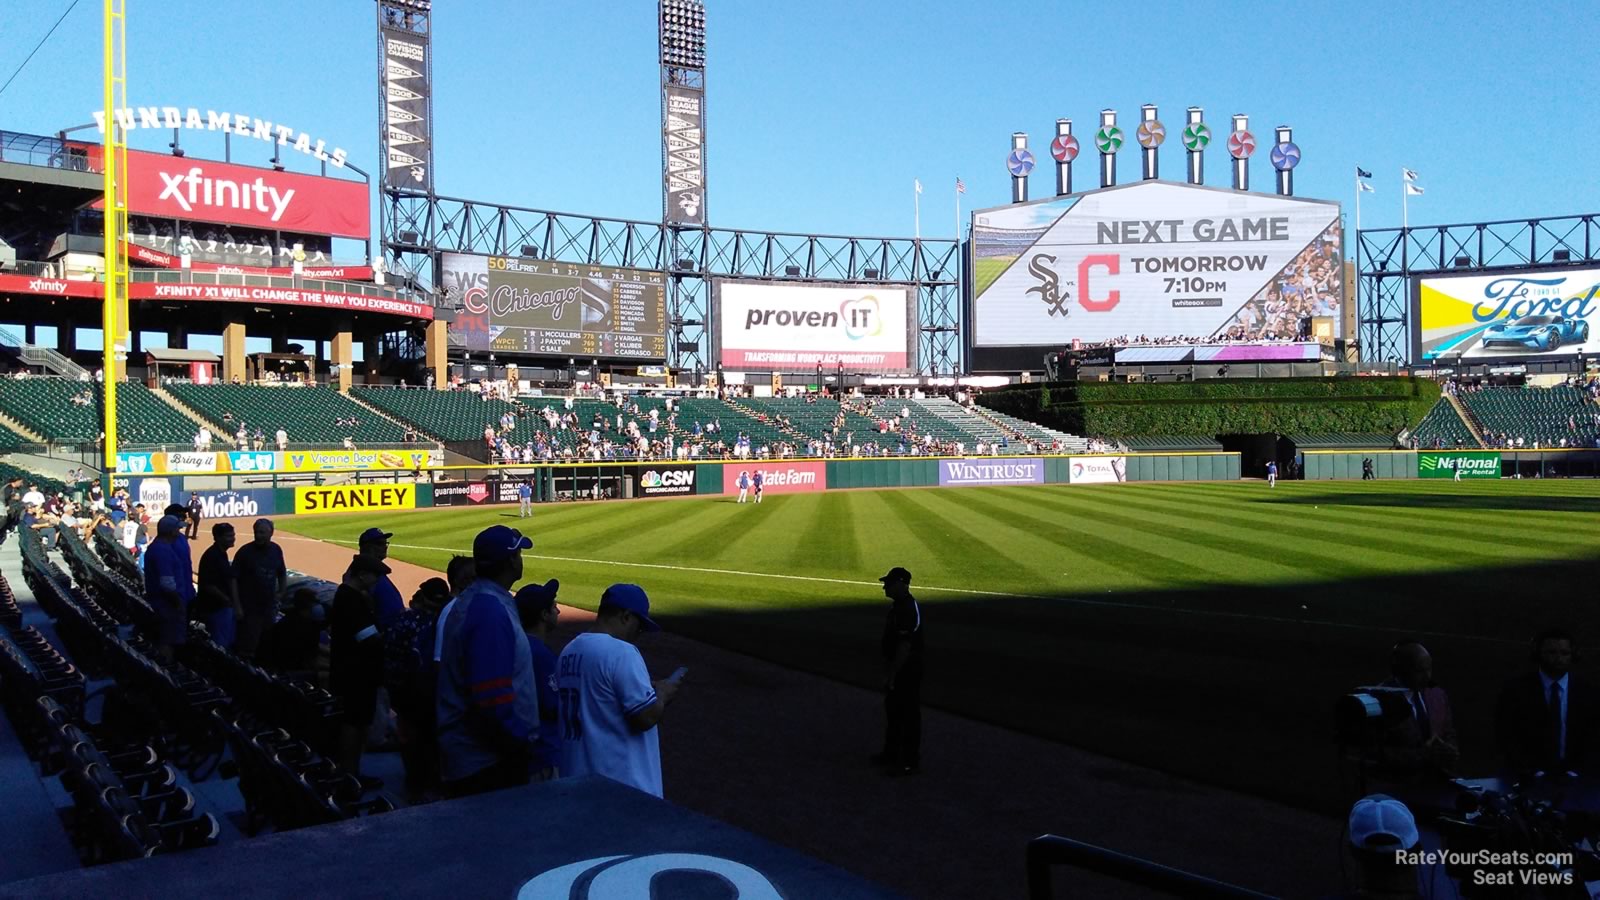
(192, 188)
(202, 190)
(992, 470)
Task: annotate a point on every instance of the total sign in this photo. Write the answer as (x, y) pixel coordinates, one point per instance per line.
(1154, 259)
(765, 326)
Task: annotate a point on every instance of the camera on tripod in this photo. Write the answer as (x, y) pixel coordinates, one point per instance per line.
(1512, 845)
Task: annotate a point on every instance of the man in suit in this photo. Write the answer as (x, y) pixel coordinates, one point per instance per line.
(1424, 742)
(1546, 720)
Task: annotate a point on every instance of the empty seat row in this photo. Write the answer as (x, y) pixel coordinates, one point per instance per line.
(287, 784)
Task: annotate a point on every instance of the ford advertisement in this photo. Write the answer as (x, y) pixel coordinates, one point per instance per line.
(990, 470)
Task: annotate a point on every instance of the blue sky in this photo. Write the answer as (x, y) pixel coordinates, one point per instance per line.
(820, 114)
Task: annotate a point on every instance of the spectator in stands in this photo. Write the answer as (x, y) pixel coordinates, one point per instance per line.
(403, 645)
(295, 643)
(33, 496)
(1424, 744)
(169, 586)
(261, 574)
(374, 544)
(488, 705)
(282, 438)
(1379, 827)
(538, 612)
(355, 665)
(194, 512)
(1547, 722)
(217, 602)
(11, 497)
(96, 498)
(901, 646)
(603, 683)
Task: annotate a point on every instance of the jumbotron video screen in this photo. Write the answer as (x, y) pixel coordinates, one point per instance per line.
(1153, 261)
(513, 305)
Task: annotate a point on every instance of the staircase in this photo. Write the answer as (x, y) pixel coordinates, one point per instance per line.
(19, 428)
(34, 355)
(404, 425)
(1069, 442)
(1466, 417)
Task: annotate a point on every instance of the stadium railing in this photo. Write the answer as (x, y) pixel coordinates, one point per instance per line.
(1048, 851)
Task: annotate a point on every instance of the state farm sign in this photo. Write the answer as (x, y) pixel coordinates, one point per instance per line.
(780, 476)
(200, 190)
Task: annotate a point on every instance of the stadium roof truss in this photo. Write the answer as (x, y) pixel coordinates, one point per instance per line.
(1387, 259)
(416, 229)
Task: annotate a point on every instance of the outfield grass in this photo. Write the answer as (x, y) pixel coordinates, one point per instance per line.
(1200, 628)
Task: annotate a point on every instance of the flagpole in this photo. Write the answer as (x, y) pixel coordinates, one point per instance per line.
(958, 217)
(1405, 217)
(916, 208)
(1358, 204)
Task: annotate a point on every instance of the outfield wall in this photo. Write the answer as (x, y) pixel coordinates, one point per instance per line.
(283, 493)
(1325, 465)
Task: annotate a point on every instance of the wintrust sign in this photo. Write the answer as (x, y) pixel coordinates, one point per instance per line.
(992, 470)
(171, 187)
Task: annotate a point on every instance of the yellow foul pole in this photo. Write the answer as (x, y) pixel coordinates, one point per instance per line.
(114, 309)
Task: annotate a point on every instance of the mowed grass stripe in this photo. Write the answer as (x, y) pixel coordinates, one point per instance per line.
(951, 550)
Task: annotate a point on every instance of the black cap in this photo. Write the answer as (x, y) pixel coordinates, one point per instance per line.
(897, 574)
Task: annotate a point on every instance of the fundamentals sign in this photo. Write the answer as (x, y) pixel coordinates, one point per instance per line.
(354, 498)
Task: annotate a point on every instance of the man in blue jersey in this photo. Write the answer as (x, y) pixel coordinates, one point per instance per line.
(374, 545)
(169, 585)
(1272, 473)
(744, 486)
(760, 482)
(609, 706)
(525, 497)
(488, 703)
(536, 607)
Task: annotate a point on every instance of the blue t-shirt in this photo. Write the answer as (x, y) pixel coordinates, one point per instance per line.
(547, 749)
(523, 491)
(166, 570)
(485, 682)
(602, 681)
(387, 601)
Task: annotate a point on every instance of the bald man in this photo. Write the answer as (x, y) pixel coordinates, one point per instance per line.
(1423, 743)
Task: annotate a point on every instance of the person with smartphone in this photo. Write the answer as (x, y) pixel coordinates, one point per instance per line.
(609, 706)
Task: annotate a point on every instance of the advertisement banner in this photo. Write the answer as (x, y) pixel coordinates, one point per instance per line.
(136, 463)
(190, 461)
(200, 190)
(1470, 463)
(461, 493)
(791, 327)
(782, 476)
(317, 460)
(1529, 315)
(1140, 262)
(232, 504)
(353, 498)
(290, 296)
(664, 481)
(517, 305)
(990, 470)
(155, 493)
(683, 140)
(251, 461)
(1097, 470)
(407, 124)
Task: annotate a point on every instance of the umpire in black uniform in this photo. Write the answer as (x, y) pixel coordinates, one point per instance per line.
(902, 654)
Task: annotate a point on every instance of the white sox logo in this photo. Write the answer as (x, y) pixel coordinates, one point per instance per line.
(1049, 286)
(631, 878)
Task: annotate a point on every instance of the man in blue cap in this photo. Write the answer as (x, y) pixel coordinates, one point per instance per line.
(374, 545)
(488, 704)
(609, 706)
(169, 586)
(902, 685)
(536, 605)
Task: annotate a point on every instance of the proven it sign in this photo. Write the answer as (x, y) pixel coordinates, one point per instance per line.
(1471, 464)
(354, 498)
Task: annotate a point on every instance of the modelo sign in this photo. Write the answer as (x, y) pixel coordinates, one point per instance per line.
(990, 470)
(790, 328)
(236, 504)
(1470, 464)
(1097, 470)
(783, 477)
(664, 481)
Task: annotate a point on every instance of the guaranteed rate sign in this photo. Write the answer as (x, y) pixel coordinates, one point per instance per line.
(762, 326)
(1156, 260)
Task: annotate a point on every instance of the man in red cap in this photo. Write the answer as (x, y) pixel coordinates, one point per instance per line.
(902, 685)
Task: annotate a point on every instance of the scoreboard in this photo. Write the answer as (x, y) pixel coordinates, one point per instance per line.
(545, 308)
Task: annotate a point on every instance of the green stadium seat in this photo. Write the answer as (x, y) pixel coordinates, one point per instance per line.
(49, 407)
(1543, 416)
(310, 414)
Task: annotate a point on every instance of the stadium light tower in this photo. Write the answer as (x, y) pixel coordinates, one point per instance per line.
(682, 28)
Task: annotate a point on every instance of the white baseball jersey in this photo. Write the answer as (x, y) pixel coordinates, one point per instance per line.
(600, 682)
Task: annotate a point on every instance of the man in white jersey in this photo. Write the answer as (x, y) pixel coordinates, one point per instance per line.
(609, 706)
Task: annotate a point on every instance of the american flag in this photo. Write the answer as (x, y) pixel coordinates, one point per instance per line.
(960, 188)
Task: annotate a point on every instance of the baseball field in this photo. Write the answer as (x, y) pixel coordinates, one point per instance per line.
(1202, 629)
